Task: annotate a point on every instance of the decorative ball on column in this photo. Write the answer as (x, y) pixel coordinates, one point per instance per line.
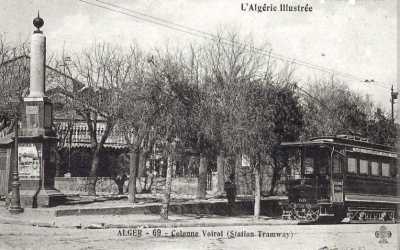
(38, 23)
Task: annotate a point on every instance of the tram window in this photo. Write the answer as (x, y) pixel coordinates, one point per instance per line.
(374, 168)
(351, 165)
(336, 165)
(308, 165)
(385, 169)
(322, 169)
(363, 166)
(323, 164)
(294, 164)
(296, 174)
(393, 170)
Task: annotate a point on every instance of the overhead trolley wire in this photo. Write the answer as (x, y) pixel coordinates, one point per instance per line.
(195, 32)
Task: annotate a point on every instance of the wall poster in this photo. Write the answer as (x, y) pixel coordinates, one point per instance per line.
(293, 86)
(29, 161)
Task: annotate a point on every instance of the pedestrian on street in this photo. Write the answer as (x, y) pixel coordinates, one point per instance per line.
(230, 189)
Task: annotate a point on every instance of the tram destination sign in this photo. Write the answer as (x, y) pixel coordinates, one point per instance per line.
(373, 152)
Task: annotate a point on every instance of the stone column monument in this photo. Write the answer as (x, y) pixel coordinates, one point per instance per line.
(37, 138)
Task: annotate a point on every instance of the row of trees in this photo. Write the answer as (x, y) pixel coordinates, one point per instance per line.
(220, 99)
(340, 110)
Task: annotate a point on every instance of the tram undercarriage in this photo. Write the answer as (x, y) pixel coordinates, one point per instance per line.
(313, 213)
(370, 214)
(308, 213)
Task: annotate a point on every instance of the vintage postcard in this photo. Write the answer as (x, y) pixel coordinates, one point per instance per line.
(186, 124)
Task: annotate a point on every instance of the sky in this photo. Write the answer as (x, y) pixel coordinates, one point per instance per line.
(356, 37)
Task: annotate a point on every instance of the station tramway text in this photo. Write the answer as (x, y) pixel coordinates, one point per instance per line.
(341, 178)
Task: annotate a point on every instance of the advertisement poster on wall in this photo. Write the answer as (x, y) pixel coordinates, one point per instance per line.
(307, 90)
(29, 157)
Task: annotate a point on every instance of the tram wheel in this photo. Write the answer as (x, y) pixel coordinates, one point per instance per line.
(312, 216)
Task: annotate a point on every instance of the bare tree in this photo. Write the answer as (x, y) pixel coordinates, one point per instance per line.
(173, 125)
(144, 100)
(232, 67)
(102, 72)
(332, 108)
(247, 98)
(14, 80)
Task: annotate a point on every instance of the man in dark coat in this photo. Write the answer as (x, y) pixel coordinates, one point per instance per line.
(230, 189)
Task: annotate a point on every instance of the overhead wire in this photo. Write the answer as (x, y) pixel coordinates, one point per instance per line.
(199, 33)
(194, 32)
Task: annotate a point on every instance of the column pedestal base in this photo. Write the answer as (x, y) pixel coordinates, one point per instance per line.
(28, 198)
(49, 197)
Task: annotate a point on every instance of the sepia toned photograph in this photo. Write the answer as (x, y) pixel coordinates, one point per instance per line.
(183, 124)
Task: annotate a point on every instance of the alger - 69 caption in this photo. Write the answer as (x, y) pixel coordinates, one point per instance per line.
(204, 233)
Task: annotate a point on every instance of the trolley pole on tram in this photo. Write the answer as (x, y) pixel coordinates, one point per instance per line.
(393, 96)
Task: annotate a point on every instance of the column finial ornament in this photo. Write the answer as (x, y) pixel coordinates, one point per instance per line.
(38, 23)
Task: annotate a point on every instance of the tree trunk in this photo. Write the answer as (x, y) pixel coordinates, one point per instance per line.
(58, 163)
(93, 173)
(150, 183)
(237, 172)
(257, 191)
(140, 172)
(202, 179)
(220, 171)
(167, 190)
(191, 166)
(142, 164)
(133, 166)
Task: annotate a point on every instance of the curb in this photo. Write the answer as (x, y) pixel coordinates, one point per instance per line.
(146, 225)
(218, 206)
(191, 207)
(33, 224)
(176, 225)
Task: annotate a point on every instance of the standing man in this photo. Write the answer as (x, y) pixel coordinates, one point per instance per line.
(230, 189)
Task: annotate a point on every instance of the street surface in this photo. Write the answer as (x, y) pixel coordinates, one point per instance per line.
(338, 237)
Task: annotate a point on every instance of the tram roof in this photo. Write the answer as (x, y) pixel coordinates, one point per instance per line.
(340, 140)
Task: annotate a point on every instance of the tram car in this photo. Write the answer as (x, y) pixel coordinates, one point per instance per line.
(341, 178)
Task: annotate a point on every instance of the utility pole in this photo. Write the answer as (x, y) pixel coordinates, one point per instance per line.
(393, 96)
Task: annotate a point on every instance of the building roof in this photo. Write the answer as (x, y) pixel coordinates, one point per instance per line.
(76, 135)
